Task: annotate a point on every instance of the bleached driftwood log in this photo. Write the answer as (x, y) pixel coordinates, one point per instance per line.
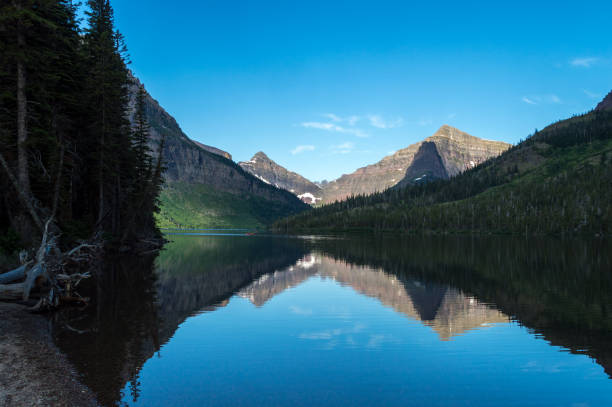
(14, 275)
(49, 268)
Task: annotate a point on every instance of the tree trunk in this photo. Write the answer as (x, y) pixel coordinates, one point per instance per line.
(22, 112)
(101, 158)
(101, 182)
(58, 182)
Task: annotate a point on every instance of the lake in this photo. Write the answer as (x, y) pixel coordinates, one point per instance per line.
(233, 320)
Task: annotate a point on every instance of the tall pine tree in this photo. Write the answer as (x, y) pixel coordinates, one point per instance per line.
(67, 150)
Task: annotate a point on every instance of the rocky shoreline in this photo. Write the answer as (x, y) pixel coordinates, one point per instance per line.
(33, 371)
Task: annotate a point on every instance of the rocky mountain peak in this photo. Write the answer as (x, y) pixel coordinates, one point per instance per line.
(264, 168)
(449, 152)
(450, 132)
(448, 129)
(606, 103)
(261, 156)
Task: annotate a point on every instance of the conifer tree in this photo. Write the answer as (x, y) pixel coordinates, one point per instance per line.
(142, 151)
(109, 128)
(67, 150)
(38, 41)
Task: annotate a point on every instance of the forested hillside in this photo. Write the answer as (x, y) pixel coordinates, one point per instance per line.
(557, 181)
(203, 186)
(68, 152)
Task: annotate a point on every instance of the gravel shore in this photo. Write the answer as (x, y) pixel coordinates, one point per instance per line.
(33, 372)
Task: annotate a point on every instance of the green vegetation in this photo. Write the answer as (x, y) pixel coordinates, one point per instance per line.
(199, 206)
(555, 182)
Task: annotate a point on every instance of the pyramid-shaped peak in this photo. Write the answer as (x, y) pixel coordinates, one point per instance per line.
(453, 133)
(447, 130)
(450, 132)
(261, 155)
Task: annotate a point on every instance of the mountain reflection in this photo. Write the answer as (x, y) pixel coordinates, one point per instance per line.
(447, 311)
(559, 290)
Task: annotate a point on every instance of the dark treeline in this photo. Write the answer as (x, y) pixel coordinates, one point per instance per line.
(68, 150)
(557, 181)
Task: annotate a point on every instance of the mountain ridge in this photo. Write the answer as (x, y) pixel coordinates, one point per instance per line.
(218, 177)
(213, 150)
(267, 170)
(606, 103)
(554, 182)
(458, 150)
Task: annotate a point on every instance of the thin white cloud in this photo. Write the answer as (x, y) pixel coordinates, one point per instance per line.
(335, 128)
(529, 101)
(584, 62)
(425, 122)
(344, 148)
(321, 126)
(592, 95)
(452, 116)
(542, 99)
(302, 149)
(379, 122)
(351, 120)
(333, 117)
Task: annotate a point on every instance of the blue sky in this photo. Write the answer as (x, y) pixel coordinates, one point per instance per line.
(325, 87)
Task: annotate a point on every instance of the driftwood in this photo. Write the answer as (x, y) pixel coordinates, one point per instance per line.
(49, 268)
(14, 275)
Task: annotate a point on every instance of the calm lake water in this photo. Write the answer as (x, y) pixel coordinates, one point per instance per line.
(351, 321)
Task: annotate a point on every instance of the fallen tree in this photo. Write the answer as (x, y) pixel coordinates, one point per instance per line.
(53, 273)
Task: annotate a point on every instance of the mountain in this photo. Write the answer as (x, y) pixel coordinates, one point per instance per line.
(204, 188)
(426, 165)
(557, 182)
(447, 311)
(214, 150)
(270, 172)
(606, 103)
(448, 152)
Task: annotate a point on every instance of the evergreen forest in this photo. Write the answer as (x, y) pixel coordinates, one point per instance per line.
(555, 182)
(74, 155)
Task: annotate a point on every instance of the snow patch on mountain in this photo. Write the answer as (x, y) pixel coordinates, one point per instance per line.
(309, 198)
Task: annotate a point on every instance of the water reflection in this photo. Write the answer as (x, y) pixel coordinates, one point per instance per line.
(446, 310)
(559, 290)
(109, 342)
